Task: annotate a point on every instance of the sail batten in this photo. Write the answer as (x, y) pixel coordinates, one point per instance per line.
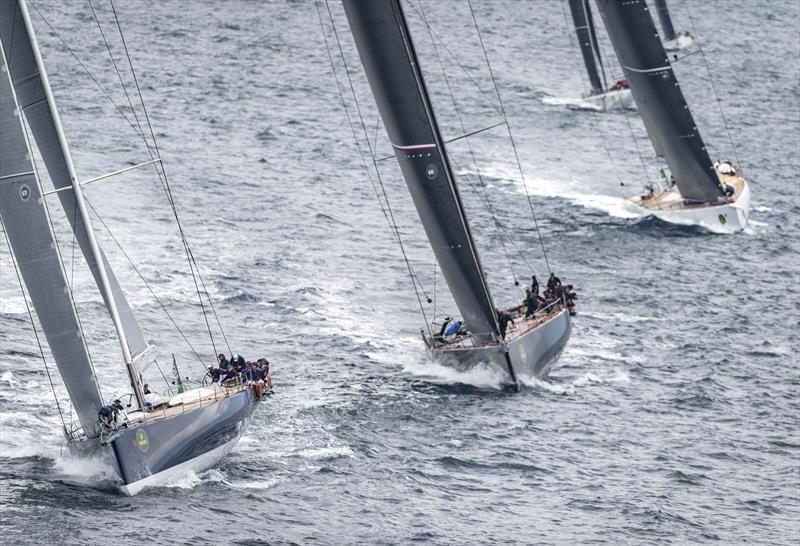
(33, 245)
(659, 98)
(389, 59)
(28, 84)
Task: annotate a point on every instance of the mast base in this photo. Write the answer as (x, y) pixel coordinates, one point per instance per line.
(725, 218)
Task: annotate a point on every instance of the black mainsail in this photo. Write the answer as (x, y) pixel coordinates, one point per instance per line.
(29, 84)
(587, 40)
(666, 20)
(28, 230)
(659, 99)
(390, 62)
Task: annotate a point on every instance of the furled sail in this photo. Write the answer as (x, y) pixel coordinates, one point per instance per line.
(27, 82)
(28, 230)
(666, 20)
(390, 62)
(659, 98)
(584, 27)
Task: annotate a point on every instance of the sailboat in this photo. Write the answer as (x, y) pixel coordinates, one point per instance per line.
(715, 196)
(672, 40)
(530, 348)
(188, 432)
(601, 96)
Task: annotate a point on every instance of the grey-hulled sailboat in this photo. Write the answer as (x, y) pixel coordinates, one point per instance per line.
(699, 192)
(672, 40)
(601, 96)
(188, 432)
(387, 53)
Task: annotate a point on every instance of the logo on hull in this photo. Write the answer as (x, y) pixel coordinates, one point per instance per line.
(722, 219)
(142, 441)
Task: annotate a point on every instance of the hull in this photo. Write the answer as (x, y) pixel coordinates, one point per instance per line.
(612, 100)
(531, 354)
(727, 218)
(151, 452)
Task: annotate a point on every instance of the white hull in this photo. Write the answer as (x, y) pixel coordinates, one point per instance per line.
(198, 464)
(682, 41)
(725, 218)
(612, 100)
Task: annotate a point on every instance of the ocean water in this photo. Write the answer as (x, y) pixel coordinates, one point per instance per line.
(672, 416)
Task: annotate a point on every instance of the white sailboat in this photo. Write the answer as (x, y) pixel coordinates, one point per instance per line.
(673, 41)
(714, 196)
(602, 97)
(146, 444)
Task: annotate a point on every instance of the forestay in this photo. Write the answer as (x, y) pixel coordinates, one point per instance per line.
(42, 120)
(390, 62)
(659, 98)
(28, 230)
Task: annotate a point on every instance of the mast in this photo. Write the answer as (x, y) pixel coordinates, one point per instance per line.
(24, 59)
(27, 82)
(31, 239)
(659, 99)
(587, 40)
(387, 53)
(666, 20)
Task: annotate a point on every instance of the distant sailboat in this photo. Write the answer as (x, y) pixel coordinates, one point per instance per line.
(601, 96)
(190, 431)
(699, 192)
(672, 40)
(390, 61)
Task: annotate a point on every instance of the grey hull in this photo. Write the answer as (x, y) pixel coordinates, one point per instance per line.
(160, 445)
(532, 354)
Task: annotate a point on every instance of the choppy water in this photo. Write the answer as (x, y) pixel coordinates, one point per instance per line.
(672, 417)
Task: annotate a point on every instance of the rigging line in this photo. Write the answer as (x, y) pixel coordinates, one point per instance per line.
(510, 135)
(165, 181)
(713, 87)
(83, 66)
(33, 325)
(469, 145)
(390, 216)
(211, 303)
(585, 81)
(464, 70)
(119, 77)
(144, 281)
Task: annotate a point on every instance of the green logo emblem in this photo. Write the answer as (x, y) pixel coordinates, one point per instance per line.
(522, 354)
(722, 219)
(491, 360)
(142, 441)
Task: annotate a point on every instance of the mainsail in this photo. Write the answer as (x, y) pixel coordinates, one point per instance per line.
(390, 62)
(587, 39)
(28, 230)
(659, 98)
(42, 120)
(666, 20)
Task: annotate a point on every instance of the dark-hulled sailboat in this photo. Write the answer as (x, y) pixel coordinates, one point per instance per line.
(601, 96)
(700, 193)
(672, 40)
(190, 431)
(387, 53)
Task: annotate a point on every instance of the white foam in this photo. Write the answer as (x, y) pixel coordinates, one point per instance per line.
(573, 102)
(481, 376)
(327, 453)
(614, 375)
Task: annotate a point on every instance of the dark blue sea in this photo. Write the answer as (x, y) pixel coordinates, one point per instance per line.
(673, 416)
